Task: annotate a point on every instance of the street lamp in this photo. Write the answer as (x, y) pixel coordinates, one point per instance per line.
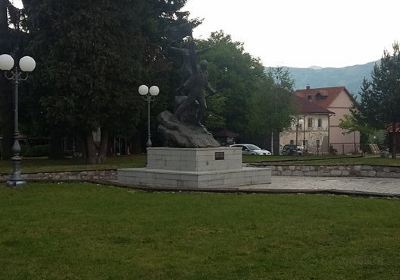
(304, 134)
(298, 124)
(148, 95)
(26, 64)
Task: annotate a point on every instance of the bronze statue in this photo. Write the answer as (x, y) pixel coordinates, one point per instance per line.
(191, 108)
(189, 59)
(184, 128)
(195, 87)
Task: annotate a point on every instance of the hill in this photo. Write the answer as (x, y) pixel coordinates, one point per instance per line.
(351, 76)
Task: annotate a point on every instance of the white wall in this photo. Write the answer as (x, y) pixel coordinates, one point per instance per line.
(310, 134)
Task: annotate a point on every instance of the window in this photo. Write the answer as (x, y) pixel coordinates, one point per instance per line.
(319, 96)
(291, 142)
(319, 122)
(309, 97)
(318, 143)
(310, 122)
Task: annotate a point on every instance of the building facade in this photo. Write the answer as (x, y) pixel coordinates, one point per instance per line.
(339, 102)
(309, 129)
(316, 128)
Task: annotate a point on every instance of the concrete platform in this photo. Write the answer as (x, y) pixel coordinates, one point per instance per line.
(197, 168)
(189, 180)
(194, 159)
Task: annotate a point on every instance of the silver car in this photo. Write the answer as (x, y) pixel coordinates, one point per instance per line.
(250, 149)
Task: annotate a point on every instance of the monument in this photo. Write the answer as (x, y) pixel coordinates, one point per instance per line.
(190, 157)
(185, 127)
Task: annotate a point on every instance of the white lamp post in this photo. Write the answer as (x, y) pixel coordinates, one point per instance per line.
(13, 73)
(304, 134)
(299, 122)
(148, 95)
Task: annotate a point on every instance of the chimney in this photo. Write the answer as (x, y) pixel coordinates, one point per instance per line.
(307, 86)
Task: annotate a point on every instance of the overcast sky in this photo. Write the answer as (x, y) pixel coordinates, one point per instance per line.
(303, 33)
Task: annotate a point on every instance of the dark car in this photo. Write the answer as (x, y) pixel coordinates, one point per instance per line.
(292, 150)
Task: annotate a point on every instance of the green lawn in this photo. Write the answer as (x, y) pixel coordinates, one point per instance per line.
(85, 231)
(46, 165)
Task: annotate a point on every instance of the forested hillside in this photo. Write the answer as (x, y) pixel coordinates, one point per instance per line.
(351, 76)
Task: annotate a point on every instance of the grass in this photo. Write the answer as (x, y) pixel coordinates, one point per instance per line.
(85, 231)
(46, 165)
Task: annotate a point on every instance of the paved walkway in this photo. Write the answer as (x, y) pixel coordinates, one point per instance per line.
(294, 184)
(373, 186)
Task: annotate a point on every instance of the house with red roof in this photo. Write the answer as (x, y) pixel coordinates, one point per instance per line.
(316, 125)
(310, 127)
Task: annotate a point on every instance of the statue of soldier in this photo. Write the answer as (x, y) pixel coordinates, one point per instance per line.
(195, 86)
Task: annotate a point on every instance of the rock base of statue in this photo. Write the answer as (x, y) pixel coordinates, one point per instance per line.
(175, 133)
(195, 169)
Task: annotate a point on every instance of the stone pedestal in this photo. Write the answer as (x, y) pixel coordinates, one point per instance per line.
(194, 168)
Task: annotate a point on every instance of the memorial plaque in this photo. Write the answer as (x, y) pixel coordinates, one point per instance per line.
(219, 155)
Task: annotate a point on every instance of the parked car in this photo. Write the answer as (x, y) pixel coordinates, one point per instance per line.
(292, 150)
(250, 149)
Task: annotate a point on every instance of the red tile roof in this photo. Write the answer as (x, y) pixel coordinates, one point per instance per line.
(303, 106)
(322, 96)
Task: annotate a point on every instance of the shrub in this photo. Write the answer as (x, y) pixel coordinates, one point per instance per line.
(35, 151)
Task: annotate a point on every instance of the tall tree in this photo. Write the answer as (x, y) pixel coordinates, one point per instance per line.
(3, 17)
(355, 123)
(92, 57)
(249, 100)
(380, 96)
(271, 108)
(235, 75)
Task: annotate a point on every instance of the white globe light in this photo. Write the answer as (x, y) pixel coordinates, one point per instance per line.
(154, 90)
(27, 64)
(143, 90)
(6, 62)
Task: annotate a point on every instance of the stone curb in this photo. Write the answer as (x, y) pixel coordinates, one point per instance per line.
(106, 174)
(333, 170)
(277, 170)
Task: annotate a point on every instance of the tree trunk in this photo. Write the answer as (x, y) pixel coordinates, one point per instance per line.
(56, 146)
(6, 120)
(103, 146)
(3, 17)
(97, 152)
(91, 149)
(394, 140)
